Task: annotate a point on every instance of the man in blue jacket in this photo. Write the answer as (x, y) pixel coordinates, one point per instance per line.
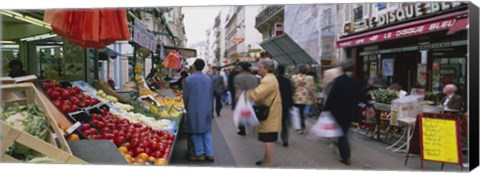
(198, 100)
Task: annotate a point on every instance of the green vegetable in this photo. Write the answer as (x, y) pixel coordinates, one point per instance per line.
(30, 120)
(140, 108)
(384, 96)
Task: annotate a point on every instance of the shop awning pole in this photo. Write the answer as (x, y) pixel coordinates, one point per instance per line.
(95, 64)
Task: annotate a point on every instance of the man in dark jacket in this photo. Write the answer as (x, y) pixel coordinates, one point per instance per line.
(231, 85)
(286, 91)
(342, 101)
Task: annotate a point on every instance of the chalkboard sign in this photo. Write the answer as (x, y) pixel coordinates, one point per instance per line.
(440, 139)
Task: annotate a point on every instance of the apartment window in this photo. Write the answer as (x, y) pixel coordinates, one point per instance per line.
(358, 14)
(328, 15)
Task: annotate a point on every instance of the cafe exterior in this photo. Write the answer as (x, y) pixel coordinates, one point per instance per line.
(420, 46)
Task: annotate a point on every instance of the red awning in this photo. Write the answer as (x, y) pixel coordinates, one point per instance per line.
(461, 24)
(409, 29)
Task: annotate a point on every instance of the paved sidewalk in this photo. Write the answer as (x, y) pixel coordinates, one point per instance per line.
(232, 150)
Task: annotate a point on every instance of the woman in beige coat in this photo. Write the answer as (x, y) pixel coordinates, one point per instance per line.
(268, 94)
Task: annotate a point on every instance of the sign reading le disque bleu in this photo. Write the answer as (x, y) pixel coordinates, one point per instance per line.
(142, 37)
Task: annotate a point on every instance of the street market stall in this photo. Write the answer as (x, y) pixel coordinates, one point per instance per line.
(92, 123)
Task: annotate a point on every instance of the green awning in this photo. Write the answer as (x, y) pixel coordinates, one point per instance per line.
(286, 51)
(14, 29)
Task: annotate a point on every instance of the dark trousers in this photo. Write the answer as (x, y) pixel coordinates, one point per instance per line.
(285, 120)
(301, 109)
(343, 144)
(232, 95)
(218, 103)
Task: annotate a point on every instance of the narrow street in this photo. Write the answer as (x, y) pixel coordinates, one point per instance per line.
(232, 150)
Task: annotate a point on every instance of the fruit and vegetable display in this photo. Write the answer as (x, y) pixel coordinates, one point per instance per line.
(68, 99)
(384, 96)
(31, 120)
(138, 143)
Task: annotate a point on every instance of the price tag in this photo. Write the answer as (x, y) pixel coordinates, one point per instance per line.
(73, 127)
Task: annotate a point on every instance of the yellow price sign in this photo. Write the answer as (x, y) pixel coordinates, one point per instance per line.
(439, 139)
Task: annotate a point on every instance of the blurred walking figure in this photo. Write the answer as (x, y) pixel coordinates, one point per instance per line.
(268, 94)
(219, 89)
(304, 93)
(198, 100)
(244, 81)
(286, 91)
(343, 97)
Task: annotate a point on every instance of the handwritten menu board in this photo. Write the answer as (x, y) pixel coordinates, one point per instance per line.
(439, 140)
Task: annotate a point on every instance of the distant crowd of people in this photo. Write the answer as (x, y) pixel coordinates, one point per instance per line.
(206, 94)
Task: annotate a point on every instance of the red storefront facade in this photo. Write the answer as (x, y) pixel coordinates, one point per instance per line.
(425, 52)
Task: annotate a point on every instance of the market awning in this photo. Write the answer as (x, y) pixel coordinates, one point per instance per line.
(14, 29)
(286, 51)
(461, 24)
(184, 51)
(439, 23)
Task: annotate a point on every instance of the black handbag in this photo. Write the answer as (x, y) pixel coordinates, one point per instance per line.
(262, 111)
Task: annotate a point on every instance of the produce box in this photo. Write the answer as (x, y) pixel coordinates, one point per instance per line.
(26, 93)
(11, 135)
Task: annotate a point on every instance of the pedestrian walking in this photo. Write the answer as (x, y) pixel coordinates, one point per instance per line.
(268, 93)
(286, 91)
(343, 98)
(198, 100)
(244, 81)
(304, 93)
(231, 85)
(310, 109)
(219, 89)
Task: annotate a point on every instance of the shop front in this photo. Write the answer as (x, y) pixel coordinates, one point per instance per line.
(422, 47)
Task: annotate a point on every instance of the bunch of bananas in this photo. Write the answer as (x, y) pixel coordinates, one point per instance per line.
(145, 91)
(103, 95)
(170, 102)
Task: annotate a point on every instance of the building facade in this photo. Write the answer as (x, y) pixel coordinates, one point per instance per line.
(269, 21)
(313, 28)
(242, 39)
(418, 45)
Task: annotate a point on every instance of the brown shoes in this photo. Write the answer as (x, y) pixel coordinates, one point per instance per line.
(210, 159)
(197, 158)
(347, 162)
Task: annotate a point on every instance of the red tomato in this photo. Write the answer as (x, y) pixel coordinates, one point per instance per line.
(157, 154)
(77, 90)
(148, 151)
(57, 103)
(138, 150)
(127, 145)
(130, 152)
(64, 94)
(119, 140)
(143, 144)
(86, 126)
(97, 137)
(73, 108)
(65, 109)
(134, 142)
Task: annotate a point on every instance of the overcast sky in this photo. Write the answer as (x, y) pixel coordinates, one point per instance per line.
(198, 20)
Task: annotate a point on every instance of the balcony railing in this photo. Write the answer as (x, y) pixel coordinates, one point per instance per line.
(267, 12)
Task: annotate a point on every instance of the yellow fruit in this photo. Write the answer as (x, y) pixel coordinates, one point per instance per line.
(160, 162)
(128, 158)
(123, 150)
(73, 137)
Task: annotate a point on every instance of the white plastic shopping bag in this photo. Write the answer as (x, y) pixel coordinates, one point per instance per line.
(325, 127)
(244, 113)
(295, 118)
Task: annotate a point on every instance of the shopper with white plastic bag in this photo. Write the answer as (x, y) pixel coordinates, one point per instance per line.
(295, 121)
(244, 113)
(325, 127)
(343, 94)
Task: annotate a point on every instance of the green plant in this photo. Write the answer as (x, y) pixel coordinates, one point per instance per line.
(384, 96)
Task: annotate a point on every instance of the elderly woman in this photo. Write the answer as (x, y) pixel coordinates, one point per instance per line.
(268, 93)
(304, 92)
